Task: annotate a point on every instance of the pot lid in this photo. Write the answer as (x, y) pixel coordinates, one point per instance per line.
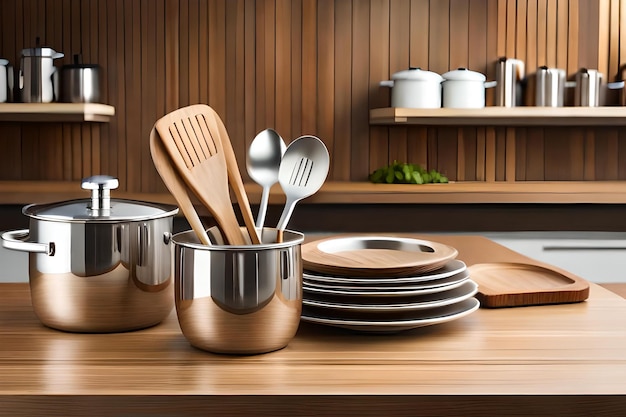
(77, 63)
(41, 51)
(100, 207)
(417, 74)
(463, 74)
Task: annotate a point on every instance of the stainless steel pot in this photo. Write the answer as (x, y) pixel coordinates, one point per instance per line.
(99, 264)
(238, 299)
(79, 83)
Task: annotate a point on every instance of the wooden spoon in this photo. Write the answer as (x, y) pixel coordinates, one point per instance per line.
(176, 185)
(199, 157)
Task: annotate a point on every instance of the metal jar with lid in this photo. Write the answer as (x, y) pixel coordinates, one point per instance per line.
(98, 264)
(79, 83)
(546, 87)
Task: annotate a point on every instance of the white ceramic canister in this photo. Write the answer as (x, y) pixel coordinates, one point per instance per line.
(415, 89)
(465, 89)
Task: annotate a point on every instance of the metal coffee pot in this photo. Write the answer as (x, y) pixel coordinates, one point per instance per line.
(36, 74)
(509, 76)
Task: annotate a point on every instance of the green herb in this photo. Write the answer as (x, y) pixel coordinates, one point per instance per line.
(404, 173)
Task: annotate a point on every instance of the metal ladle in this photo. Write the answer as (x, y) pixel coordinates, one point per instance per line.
(302, 172)
(263, 162)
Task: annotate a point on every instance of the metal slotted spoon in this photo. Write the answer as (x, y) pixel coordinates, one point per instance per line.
(302, 172)
(200, 160)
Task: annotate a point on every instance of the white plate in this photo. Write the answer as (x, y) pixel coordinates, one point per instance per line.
(428, 288)
(450, 268)
(439, 299)
(430, 317)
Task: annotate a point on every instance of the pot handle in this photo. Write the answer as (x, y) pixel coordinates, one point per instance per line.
(386, 83)
(490, 84)
(16, 240)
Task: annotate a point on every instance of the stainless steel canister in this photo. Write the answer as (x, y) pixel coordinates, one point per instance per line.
(588, 88)
(238, 299)
(79, 83)
(98, 264)
(546, 88)
(509, 77)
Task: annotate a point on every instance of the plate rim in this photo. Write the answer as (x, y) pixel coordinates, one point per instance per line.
(398, 324)
(427, 276)
(395, 293)
(399, 307)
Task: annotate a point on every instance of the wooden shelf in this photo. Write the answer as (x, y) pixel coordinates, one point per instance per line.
(607, 192)
(337, 192)
(56, 112)
(502, 116)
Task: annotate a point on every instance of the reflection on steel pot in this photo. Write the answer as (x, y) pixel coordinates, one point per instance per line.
(99, 264)
(238, 299)
(465, 89)
(415, 89)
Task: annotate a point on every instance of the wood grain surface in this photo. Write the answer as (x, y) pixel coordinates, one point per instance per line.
(544, 360)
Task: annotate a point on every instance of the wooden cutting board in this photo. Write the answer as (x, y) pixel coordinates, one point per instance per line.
(505, 284)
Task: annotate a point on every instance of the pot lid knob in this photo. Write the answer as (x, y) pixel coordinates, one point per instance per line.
(100, 186)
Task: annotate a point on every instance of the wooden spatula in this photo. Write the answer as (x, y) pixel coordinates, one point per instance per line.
(200, 160)
(217, 128)
(176, 185)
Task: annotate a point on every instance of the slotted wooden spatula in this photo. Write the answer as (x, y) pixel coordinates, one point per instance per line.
(217, 128)
(200, 160)
(176, 185)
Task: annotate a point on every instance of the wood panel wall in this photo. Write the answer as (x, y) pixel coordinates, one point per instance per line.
(310, 67)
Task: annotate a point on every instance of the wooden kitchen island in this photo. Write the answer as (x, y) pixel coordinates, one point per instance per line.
(547, 360)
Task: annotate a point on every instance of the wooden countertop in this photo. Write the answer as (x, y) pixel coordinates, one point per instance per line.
(547, 360)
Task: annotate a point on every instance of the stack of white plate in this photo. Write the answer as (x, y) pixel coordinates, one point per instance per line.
(379, 293)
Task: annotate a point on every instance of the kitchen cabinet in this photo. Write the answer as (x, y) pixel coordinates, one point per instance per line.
(56, 112)
(595, 256)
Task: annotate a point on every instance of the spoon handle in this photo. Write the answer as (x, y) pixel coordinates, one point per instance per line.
(287, 211)
(260, 220)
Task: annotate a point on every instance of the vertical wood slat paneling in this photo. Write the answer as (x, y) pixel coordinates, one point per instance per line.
(343, 90)
(309, 67)
(359, 131)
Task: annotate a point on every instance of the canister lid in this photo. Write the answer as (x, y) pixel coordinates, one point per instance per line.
(99, 208)
(417, 74)
(463, 74)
